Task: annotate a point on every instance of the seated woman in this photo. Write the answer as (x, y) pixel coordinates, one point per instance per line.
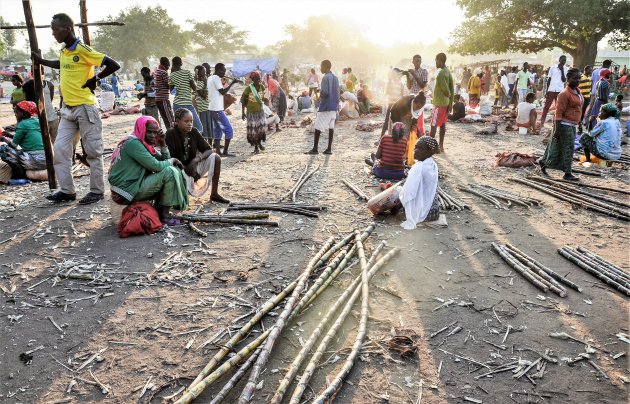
(459, 109)
(419, 196)
(270, 117)
(25, 151)
(364, 96)
(139, 172)
(304, 102)
(391, 154)
(604, 140)
(202, 167)
(526, 116)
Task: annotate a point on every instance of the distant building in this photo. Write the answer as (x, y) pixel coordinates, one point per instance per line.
(619, 58)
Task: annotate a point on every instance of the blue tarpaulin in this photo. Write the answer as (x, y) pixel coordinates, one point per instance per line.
(242, 67)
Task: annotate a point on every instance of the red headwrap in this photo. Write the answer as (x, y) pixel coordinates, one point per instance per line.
(603, 73)
(28, 106)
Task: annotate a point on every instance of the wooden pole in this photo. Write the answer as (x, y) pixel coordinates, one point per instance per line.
(84, 28)
(39, 95)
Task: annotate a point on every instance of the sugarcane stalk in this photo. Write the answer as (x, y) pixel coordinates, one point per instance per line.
(251, 215)
(197, 230)
(295, 184)
(582, 184)
(554, 286)
(489, 198)
(204, 219)
(584, 204)
(269, 305)
(306, 177)
(354, 290)
(567, 254)
(306, 347)
(356, 190)
(235, 378)
(527, 202)
(303, 212)
(248, 391)
(550, 272)
(578, 191)
(265, 205)
(602, 269)
(222, 370)
(586, 172)
(358, 341)
(603, 262)
(521, 269)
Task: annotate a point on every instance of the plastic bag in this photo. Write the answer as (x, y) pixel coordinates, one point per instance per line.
(385, 201)
(139, 218)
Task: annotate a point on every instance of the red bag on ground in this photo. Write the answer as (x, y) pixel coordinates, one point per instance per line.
(139, 218)
(515, 160)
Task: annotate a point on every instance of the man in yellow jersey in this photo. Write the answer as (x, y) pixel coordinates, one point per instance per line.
(79, 112)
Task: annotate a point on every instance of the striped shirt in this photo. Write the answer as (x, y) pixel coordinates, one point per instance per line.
(585, 86)
(181, 80)
(202, 103)
(392, 154)
(423, 75)
(160, 82)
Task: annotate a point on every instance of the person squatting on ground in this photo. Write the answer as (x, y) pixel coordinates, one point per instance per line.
(255, 116)
(183, 81)
(604, 140)
(328, 107)
(442, 99)
(526, 115)
(202, 167)
(25, 151)
(79, 112)
(388, 162)
(139, 172)
(559, 152)
(219, 121)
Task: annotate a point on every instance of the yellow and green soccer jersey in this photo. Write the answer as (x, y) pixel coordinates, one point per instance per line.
(77, 66)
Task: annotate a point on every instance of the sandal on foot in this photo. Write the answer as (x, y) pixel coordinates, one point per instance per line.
(173, 222)
(91, 197)
(61, 197)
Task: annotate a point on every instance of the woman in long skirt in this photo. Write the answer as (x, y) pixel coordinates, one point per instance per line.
(256, 123)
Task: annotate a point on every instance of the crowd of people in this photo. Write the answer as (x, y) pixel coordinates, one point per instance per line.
(175, 148)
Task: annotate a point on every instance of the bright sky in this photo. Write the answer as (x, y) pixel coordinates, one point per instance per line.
(384, 21)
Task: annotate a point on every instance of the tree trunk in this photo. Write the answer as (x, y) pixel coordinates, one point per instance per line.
(585, 53)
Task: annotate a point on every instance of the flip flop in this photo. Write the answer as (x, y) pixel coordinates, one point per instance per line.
(173, 222)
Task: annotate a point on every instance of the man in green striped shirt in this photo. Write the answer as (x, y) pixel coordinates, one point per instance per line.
(443, 94)
(183, 81)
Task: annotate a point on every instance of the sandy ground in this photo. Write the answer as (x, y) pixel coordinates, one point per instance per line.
(142, 321)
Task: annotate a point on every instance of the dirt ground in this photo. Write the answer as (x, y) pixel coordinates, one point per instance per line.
(143, 326)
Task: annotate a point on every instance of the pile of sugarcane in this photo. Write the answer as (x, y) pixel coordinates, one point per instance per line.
(536, 273)
(252, 352)
(254, 218)
(597, 266)
(574, 195)
(494, 196)
(298, 184)
(288, 207)
(449, 202)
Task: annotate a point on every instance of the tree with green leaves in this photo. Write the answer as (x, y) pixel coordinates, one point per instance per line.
(575, 26)
(7, 37)
(147, 33)
(214, 39)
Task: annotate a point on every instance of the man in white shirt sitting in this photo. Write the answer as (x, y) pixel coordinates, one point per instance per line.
(270, 117)
(557, 78)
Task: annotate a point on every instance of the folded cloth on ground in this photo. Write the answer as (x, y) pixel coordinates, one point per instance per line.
(515, 160)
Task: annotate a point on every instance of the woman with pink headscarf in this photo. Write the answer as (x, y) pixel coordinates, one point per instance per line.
(278, 98)
(140, 172)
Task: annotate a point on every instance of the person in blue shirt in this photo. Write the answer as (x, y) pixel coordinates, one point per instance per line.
(604, 140)
(328, 107)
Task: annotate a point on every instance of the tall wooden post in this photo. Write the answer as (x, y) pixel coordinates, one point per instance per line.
(39, 95)
(84, 28)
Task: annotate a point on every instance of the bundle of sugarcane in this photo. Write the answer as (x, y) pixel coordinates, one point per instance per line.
(297, 208)
(582, 185)
(615, 210)
(448, 202)
(337, 256)
(597, 266)
(253, 219)
(536, 273)
(574, 188)
(298, 184)
(494, 196)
